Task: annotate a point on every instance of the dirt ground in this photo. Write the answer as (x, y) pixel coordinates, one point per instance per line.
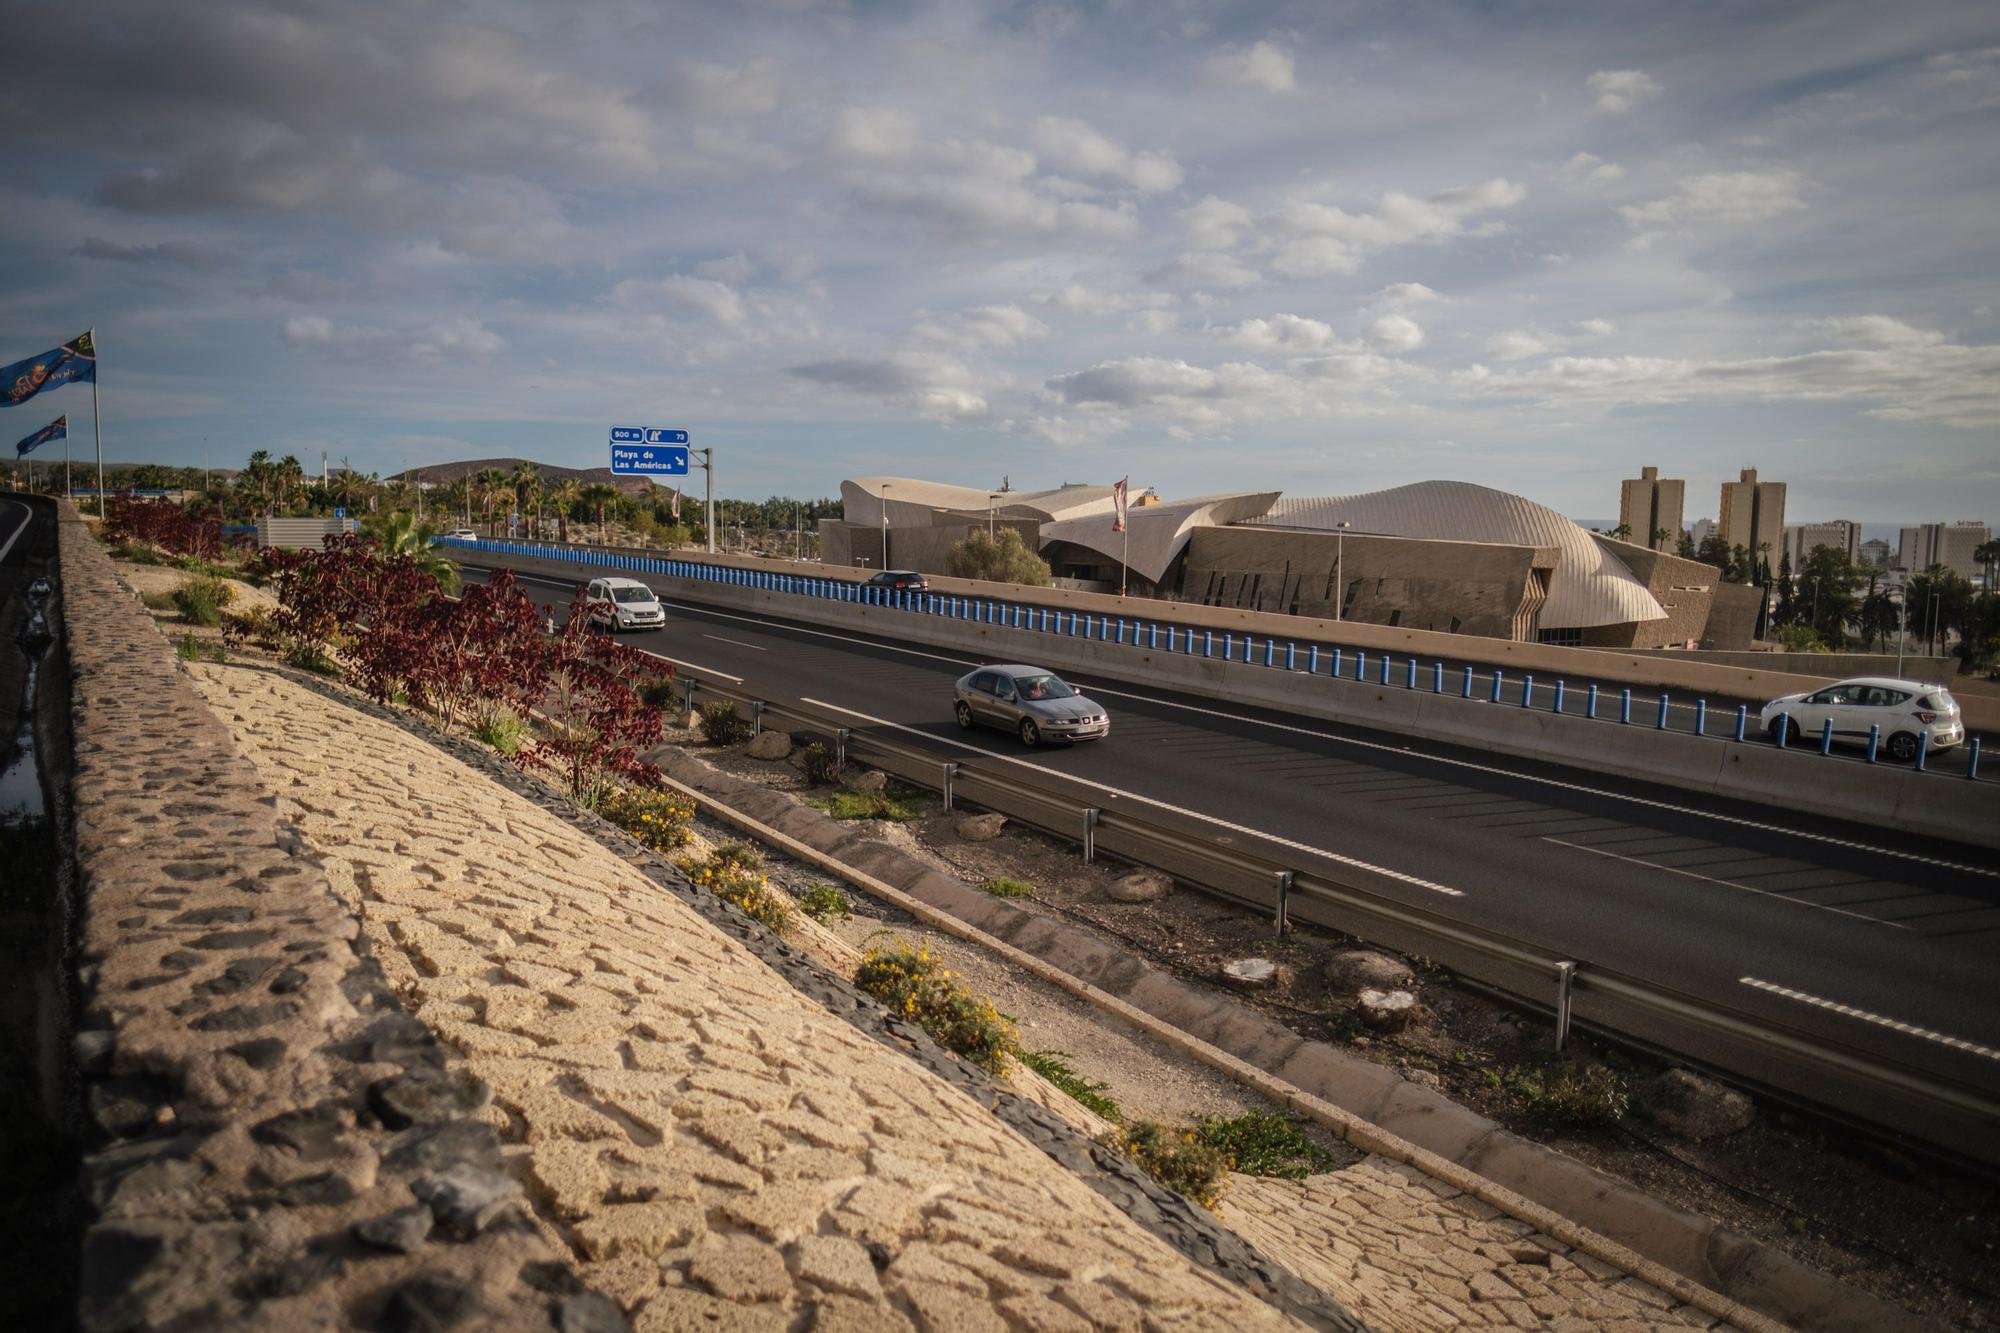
(1908, 1230)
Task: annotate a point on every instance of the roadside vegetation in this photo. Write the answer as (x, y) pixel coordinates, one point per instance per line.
(1002, 558)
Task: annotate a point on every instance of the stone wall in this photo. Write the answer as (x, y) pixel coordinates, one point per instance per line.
(273, 1142)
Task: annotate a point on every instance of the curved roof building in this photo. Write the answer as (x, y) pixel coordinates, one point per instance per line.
(1590, 586)
(911, 501)
(1158, 532)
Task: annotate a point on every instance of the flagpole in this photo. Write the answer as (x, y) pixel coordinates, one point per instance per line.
(96, 424)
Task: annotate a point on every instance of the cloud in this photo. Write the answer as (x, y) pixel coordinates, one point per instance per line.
(1073, 146)
(967, 189)
(705, 296)
(1280, 333)
(1145, 381)
(1907, 373)
(1590, 169)
(982, 326)
(456, 340)
(937, 387)
(1215, 224)
(1727, 196)
(1076, 299)
(1266, 67)
(186, 254)
(263, 172)
(1311, 239)
(1207, 269)
(1599, 328)
(1403, 295)
(1517, 345)
(1397, 333)
(1619, 90)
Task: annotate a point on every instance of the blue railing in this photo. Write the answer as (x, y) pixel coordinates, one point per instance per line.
(1169, 638)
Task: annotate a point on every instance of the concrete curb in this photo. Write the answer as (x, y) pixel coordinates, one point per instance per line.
(1767, 1281)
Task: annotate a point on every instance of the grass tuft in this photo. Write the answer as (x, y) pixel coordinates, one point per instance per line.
(1261, 1143)
(1055, 1067)
(1002, 887)
(825, 903)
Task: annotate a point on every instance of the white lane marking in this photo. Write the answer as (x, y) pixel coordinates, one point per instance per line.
(1397, 875)
(693, 666)
(1894, 1025)
(1727, 883)
(1738, 821)
(27, 517)
(738, 642)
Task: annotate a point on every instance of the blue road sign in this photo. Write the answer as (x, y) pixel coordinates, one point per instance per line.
(666, 436)
(666, 460)
(340, 513)
(628, 435)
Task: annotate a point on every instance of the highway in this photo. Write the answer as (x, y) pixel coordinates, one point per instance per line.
(1866, 937)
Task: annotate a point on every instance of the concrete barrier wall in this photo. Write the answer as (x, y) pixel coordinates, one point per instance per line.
(1664, 670)
(1932, 804)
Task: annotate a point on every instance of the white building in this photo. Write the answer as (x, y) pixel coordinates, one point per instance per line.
(1948, 544)
(1842, 534)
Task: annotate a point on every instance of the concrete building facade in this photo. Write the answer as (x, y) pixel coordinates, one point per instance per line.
(1650, 509)
(1949, 544)
(1842, 534)
(1752, 516)
(1876, 553)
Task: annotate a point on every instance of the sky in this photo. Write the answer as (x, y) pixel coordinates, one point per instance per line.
(1319, 247)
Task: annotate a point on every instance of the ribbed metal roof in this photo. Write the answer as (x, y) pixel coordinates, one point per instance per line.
(1158, 532)
(910, 500)
(1590, 586)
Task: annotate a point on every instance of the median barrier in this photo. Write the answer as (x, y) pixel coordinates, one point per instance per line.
(1927, 804)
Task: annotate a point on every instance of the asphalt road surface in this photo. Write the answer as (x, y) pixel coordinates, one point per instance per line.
(1874, 939)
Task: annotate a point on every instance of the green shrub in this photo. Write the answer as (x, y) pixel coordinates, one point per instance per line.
(191, 649)
(1260, 1143)
(721, 724)
(738, 856)
(821, 765)
(1054, 1066)
(1003, 887)
(136, 553)
(867, 805)
(660, 818)
(158, 601)
(661, 694)
(1178, 1159)
(313, 657)
(824, 903)
(914, 985)
(254, 624)
(1570, 1096)
(734, 874)
(503, 729)
(201, 600)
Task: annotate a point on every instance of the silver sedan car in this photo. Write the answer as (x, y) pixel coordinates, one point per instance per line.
(1033, 703)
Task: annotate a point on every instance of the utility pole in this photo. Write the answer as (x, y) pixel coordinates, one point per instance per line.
(1339, 568)
(707, 466)
(885, 525)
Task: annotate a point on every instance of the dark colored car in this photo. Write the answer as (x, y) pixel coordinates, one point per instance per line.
(900, 580)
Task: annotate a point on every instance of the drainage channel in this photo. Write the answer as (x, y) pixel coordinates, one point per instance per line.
(41, 1212)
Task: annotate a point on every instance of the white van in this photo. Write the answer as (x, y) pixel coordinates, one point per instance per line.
(616, 604)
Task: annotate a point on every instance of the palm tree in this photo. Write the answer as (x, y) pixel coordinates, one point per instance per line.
(597, 495)
(487, 484)
(402, 533)
(499, 506)
(527, 483)
(1988, 554)
(563, 498)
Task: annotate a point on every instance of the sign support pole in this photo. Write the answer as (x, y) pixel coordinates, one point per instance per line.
(708, 520)
(96, 426)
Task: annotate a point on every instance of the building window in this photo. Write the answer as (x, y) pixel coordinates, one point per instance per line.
(1562, 638)
(1396, 617)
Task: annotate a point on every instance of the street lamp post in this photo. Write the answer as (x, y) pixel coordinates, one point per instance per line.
(990, 498)
(1339, 568)
(885, 525)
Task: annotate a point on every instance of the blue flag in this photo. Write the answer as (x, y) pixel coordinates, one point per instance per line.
(74, 360)
(55, 430)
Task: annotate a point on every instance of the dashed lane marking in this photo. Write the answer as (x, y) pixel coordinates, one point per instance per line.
(694, 666)
(1398, 875)
(1739, 821)
(737, 642)
(1726, 883)
(1893, 1024)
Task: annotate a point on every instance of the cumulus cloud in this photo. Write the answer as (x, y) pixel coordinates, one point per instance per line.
(1215, 224)
(1517, 345)
(1397, 333)
(1599, 328)
(1208, 269)
(456, 340)
(1280, 333)
(1619, 90)
(705, 296)
(1403, 295)
(981, 326)
(185, 254)
(1311, 239)
(1075, 298)
(1590, 169)
(1073, 146)
(937, 387)
(1906, 374)
(1725, 196)
(1265, 67)
(1146, 381)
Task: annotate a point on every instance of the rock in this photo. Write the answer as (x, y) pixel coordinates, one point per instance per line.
(465, 1199)
(1386, 1010)
(772, 745)
(428, 1302)
(1256, 974)
(427, 1098)
(590, 1312)
(868, 779)
(1528, 1254)
(1354, 970)
(1141, 886)
(402, 1231)
(1694, 1107)
(981, 828)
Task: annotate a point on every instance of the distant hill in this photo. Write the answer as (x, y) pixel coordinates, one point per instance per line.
(438, 473)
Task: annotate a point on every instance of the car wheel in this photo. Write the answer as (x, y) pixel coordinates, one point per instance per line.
(1903, 747)
(1031, 735)
(964, 711)
(1790, 727)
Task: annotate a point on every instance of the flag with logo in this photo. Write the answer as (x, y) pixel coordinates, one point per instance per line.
(1118, 500)
(55, 430)
(74, 360)
(677, 504)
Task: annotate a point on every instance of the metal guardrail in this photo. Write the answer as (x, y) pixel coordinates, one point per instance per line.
(1778, 1060)
(1166, 638)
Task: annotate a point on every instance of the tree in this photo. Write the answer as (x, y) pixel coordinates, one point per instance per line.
(1002, 558)
(401, 533)
(527, 483)
(1787, 612)
(1623, 532)
(1685, 547)
(563, 498)
(1988, 554)
(1826, 594)
(597, 495)
(1879, 616)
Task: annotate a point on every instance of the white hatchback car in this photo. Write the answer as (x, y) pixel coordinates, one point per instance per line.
(617, 604)
(1898, 710)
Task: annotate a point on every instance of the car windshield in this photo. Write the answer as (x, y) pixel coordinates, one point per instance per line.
(1042, 687)
(633, 594)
